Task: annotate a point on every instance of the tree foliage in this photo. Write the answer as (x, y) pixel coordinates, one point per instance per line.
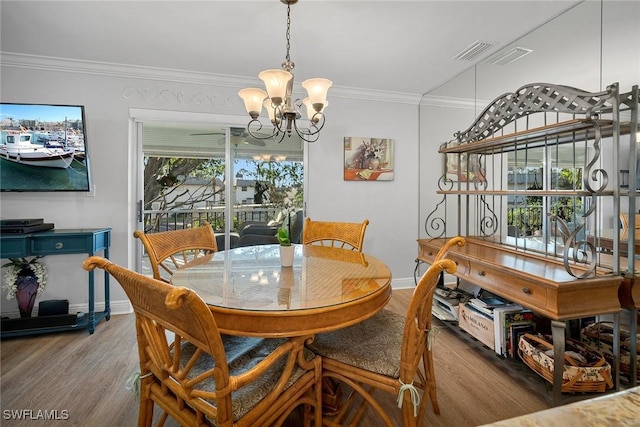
(276, 177)
(163, 176)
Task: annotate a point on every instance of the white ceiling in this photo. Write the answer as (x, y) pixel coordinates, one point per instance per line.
(397, 46)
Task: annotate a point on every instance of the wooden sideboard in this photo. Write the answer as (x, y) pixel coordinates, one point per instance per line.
(539, 283)
(62, 242)
(532, 184)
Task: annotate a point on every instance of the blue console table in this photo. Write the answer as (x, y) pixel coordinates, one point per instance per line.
(62, 242)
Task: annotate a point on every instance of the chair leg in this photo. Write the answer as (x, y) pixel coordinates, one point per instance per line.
(359, 389)
(430, 386)
(145, 410)
(331, 396)
(408, 420)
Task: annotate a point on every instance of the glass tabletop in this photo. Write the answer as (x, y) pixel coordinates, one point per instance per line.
(251, 278)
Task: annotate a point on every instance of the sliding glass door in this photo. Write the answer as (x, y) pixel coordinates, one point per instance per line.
(194, 173)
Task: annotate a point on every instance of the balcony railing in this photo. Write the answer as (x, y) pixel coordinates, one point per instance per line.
(176, 219)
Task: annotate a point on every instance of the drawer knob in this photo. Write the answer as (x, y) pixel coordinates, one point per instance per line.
(481, 273)
(59, 245)
(526, 290)
(430, 253)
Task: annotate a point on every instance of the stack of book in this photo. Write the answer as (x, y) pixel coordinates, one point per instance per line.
(510, 320)
(485, 302)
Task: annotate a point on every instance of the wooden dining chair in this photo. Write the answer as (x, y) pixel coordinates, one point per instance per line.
(384, 353)
(198, 379)
(169, 250)
(347, 235)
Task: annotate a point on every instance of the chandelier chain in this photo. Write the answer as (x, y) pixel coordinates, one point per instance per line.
(288, 31)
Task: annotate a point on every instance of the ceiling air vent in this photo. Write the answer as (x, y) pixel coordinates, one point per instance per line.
(473, 50)
(512, 55)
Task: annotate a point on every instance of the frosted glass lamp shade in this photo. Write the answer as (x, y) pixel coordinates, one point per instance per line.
(276, 83)
(252, 98)
(310, 110)
(268, 105)
(317, 90)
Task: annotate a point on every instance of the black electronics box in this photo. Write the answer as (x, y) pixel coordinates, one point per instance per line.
(24, 226)
(20, 222)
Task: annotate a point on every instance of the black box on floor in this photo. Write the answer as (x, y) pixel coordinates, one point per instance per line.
(53, 307)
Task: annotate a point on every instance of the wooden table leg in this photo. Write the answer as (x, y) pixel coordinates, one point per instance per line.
(331, 396)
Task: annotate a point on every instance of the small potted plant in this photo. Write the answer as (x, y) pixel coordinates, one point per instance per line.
(286, 249)
(24, 279)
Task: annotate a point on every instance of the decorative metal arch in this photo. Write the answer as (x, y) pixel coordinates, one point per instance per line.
(536, 98)
(529, 99)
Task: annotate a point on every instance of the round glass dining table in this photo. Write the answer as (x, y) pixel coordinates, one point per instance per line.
(251, 294)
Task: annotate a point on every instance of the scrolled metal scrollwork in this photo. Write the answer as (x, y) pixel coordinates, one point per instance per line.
(579, 252)
(489, 221)
(436, 225)
(596, 175)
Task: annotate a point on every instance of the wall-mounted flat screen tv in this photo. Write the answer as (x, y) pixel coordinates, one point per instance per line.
(43, 147)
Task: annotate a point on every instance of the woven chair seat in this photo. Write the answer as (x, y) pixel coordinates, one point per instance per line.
(242, 354)
(379, 341)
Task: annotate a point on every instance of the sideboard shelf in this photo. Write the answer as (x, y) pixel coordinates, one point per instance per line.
(62, 242)
(566, 132)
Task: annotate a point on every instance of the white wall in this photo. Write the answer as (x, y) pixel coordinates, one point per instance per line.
(390, 206)
(109, 92)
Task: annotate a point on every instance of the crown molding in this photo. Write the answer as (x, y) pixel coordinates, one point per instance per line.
(376, 95)
(49, 63)
(65, 65)
(450, 102)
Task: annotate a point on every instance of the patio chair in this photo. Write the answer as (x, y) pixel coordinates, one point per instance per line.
(169, 250)
(198, 379)
(347, 235)
(257, 234)
(385, 353)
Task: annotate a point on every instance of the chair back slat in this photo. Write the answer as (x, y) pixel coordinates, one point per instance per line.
(347, 235)
(170, 250)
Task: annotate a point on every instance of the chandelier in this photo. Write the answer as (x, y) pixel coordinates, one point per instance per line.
(283, 113)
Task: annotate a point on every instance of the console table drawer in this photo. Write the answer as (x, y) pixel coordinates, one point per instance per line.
(14, 247)
(514, 288)
(47, 245)
(542, 285)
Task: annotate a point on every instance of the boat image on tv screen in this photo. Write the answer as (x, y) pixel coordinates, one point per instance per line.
(43, 148)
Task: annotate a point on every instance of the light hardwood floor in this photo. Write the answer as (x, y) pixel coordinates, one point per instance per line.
(85, 376)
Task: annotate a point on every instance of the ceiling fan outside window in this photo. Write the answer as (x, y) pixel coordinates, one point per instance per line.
(238, 136)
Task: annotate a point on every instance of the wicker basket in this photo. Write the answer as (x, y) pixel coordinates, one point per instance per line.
(592, 376)
(599, 337)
